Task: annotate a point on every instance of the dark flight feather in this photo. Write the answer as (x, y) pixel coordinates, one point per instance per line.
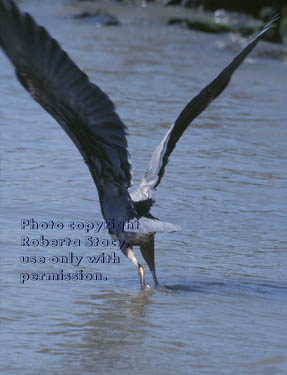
(84, 111)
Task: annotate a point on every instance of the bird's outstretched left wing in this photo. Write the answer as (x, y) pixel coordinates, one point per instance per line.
(159, 159)
(84, 111)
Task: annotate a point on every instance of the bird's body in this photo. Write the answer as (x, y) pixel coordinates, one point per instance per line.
(88, 116)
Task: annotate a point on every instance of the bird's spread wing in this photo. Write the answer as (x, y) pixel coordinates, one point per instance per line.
(84, 111)
(159, 159)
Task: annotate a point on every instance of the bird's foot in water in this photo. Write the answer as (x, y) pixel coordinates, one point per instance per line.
(162, 290)
(146, 287)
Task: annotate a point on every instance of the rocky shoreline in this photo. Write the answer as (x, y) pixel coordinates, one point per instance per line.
(245, 18)
(206, 16)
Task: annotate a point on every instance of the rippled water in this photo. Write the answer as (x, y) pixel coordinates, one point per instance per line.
(222, 308)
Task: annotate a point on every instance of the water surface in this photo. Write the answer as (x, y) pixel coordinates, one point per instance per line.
(222, 308)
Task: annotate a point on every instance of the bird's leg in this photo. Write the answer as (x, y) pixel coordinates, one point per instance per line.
(128, 251)
(147, 250)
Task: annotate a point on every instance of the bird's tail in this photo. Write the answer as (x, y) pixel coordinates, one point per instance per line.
(121, 215)
(145, 225)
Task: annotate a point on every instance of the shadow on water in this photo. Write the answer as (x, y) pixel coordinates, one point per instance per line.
(240, 287)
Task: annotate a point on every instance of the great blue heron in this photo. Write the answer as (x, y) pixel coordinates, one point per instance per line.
(88, 116)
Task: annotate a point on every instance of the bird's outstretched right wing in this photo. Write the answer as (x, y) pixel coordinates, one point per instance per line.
(159, 159)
